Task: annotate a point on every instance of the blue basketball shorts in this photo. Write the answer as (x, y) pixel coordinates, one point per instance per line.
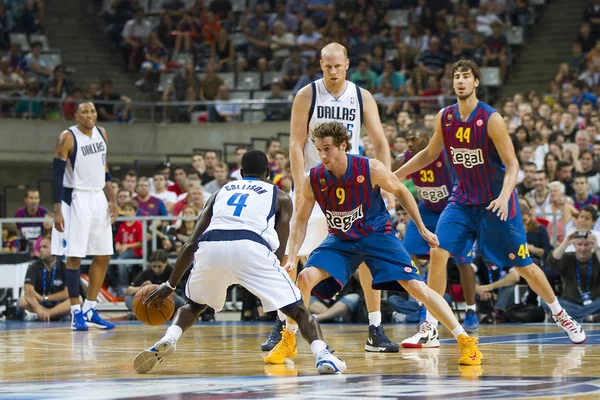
(383, 253)
(504, 243)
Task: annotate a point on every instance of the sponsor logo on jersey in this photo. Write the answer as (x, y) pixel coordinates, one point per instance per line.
(92, 148)
(343, 219)
(336, 112)
(433, 194)
(467, 157)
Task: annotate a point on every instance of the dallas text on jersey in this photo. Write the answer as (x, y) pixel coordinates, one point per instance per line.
(337, 113)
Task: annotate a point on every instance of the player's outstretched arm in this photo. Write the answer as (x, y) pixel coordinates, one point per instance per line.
(386, 180)
(186, 256)
(428, 155)
(499, 135)
(375, 130)
(299, 133)
(306, 202)
(62, 151)
(110, 194)
(283, 215)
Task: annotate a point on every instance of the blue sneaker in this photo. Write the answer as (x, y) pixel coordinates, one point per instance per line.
(93, 319)
(422, 315)
(78, 322)
(471, 322)
(329, 364)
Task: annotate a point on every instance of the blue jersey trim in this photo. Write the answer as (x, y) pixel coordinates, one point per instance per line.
(101, 134)
(360, 102)
(313, 102)
(224, 235)
(74, 152)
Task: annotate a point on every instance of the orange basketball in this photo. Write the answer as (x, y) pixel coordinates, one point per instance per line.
(152, 315)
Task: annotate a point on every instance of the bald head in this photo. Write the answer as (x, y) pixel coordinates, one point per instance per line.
(333, 49)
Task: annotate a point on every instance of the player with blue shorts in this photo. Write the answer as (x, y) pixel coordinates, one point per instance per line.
(483, 205)
(348, 190)
(434, 185)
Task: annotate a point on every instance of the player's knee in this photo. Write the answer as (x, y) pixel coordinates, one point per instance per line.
(439, 253)
(307, 279)
(416, 288)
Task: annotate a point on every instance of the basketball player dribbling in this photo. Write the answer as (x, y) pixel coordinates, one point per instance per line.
(247, 220)
(333, 98)
(434, 185)
(348, 189)
(81, 186)
(483, 205)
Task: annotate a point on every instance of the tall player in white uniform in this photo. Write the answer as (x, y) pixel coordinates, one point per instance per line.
(81, 186)
(239, 238)
(331, 99)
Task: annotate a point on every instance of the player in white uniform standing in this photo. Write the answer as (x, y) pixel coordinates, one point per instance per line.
(81, 185)
(331, 99)
(239, 239)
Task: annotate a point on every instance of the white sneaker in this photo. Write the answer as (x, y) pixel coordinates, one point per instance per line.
(426, 337)
(147, 359)
(570, 326)
(327, 363)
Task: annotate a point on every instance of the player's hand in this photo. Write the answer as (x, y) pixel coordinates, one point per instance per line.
(158, 295)
(390, 199)
(500, 208)
(290, 266)
(113, 210)
(59, 221)
(592, 238)
(429, 237)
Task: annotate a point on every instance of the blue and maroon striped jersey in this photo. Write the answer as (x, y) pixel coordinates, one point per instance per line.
(353, 207)
(434, 183)
(31, 230)
(477, 164)
(591, 200)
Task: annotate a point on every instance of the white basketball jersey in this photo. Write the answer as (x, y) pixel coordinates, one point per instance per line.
(347, 109)
(247, 204)
(86, 165)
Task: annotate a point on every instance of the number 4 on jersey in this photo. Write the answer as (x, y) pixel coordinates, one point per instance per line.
(238, 201)
(523, 251)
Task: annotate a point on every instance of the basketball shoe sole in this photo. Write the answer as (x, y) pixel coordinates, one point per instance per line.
(147, 359)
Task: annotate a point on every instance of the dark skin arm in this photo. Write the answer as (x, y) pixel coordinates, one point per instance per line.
(110, 195)
(62, 150)
(398, 162)
(283, 215)
(186, 256)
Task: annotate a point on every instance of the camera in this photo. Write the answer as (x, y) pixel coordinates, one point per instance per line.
(582, 235)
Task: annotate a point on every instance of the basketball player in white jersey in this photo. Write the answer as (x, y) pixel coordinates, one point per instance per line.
(330, 99)
(84, 208)
(240, 237)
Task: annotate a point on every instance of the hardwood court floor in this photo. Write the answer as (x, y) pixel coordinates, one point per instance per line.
(223, 360)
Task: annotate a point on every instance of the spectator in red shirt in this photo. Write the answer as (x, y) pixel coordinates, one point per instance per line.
(195, 197)
(151, 205)
(180, 175)
(433, 89)
(32, 209)
(71, 104)
(128, 245)
(495, 49)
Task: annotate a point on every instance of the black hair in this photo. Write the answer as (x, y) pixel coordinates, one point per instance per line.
(255, 163)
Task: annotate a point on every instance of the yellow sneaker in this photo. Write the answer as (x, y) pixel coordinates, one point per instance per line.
(470, 353)
(286, 348)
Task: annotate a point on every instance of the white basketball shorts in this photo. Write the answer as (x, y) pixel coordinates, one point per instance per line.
(219, 265)
(316, 231)
(87, 230)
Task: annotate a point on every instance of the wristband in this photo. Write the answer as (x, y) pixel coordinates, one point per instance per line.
(169, 285)
(107, 177)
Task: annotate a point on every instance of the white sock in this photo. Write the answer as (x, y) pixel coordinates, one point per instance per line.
(375, 318)
(292, 327)
(173, 332)
(473, 307)
(281, 316)
(459, 330)
(76, 307)
(429, 318)
(317, 347)
(555, 307)
(87, 305)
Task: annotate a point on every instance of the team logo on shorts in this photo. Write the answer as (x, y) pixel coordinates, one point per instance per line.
(408, 269)
(511, 256)
(479, 122)
(360, 179)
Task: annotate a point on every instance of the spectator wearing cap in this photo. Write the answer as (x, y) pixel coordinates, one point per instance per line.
(292, 69)
(279, 111)
(579, 273)
(32, 209)
(45, 292)
(38, 68)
